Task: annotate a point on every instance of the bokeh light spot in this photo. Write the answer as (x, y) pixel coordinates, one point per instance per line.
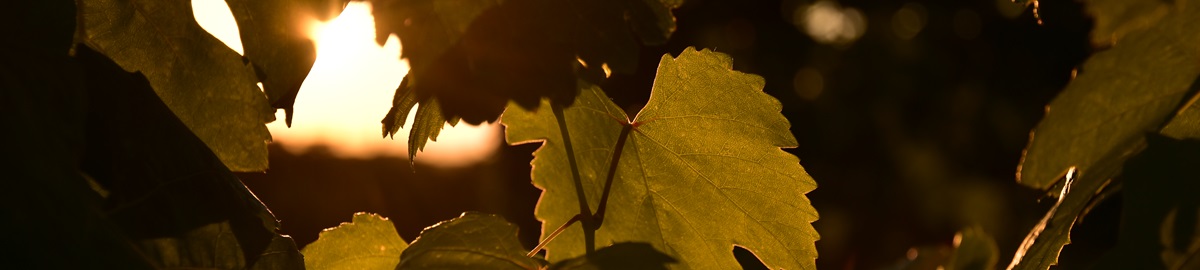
(828, 23)
(909, 20)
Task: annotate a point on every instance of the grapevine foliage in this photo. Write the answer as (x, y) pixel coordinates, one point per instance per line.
(126, 163)
(208, 86)
(1145, 81)
(469, 58)
(1158, 224)
(693, 197)
(115, 180)
(470, 241)
(369, 241)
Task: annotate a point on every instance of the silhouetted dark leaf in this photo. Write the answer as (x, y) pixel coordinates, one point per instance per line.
(206, 84)
(1159, 228)
(618, 256)
(1138, 85)
(1119, 94)
(276, 40)
(109, 178)
(1186, 123)
(52, 219)
(473, 56)
(170, 196)
(470, 241)
(426, 124)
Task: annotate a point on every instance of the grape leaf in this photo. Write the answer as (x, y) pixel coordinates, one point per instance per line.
(276, 40)
(368, 242)
(1118, 95)
(1045, 241)
(1159, 210)
(470, 241)
(158, 198)
(1116, 18)
(1186, 124)
(426, 124)
(206, 84)
(701, 171)
(1140, 84)
(473, 56)
(106, 177)
(170, 195)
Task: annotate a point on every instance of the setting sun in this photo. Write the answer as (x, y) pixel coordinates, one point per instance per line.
(349, 90)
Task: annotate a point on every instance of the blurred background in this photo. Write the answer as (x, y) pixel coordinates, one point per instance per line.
(910, 115)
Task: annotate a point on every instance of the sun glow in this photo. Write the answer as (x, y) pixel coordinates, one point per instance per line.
(349, 90)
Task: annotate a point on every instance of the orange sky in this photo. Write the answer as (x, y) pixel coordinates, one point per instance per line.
(349, 90)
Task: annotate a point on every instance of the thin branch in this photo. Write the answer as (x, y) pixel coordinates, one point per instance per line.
(554, 234)
(589, 235)
(612, 172)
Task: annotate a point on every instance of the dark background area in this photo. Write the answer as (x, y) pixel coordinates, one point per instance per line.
(909, 139)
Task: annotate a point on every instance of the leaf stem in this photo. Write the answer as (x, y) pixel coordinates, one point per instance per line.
(585, 212)
(553, 235)
(612, 172)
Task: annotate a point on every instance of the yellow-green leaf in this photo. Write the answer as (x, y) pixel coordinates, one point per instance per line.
(702, 169)
(470, 241)
(369, 241)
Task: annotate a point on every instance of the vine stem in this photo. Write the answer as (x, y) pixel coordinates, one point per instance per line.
(585, 212)
(554, 234)
(591, 222)
(612, 172)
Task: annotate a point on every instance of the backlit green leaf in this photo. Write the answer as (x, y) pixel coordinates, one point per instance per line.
(206, 84)
(368, 242)
(701, 171)
(470, 241)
